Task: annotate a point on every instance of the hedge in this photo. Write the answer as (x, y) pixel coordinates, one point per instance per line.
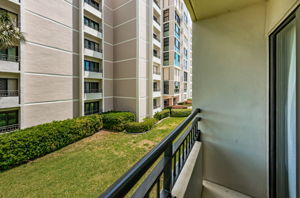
(181, 112)
(116, 121)
(23, 145)
(162, 114)
(139, 127)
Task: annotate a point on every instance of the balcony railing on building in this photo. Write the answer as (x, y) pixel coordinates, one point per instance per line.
(176, 90)
(156, 3)
(94, 69)
(9, 128)
(9, 93)
(156, 71)
(156, 89)
(6, 57)
(92, 47)
(157, 106)
(99, 90)
(156, 37)
(95, 111)
(172, 153)
(94, 4)
(156, 20)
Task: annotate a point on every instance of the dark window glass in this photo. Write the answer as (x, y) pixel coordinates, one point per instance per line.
(92, 45)
(166, 58)
(91, 108)
(91, 24)
(91, 87)
(166, 15)
(166, 29)
(91, 66)
(8, 118)
(166, 44)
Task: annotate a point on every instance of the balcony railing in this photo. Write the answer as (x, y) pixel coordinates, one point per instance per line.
(9, 128)
(91, 47)
(156, 3)
(94, 4)
(157, 72)
(156, 106)
(156, 89)
(91, 69)
(174, 155)
(9, 93)
(6, 57)
(156, 20)
(92, 112)
(155, 37)
(93, 90)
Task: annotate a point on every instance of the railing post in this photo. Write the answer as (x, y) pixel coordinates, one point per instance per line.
(168, 171)
(198, 129)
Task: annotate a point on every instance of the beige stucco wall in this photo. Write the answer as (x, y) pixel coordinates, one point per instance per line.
(230, 85)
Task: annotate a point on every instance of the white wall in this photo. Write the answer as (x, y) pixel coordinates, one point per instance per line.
(230, 85)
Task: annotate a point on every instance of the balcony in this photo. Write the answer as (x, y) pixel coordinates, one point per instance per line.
(179, 158)
(156, 93)
(156, 75)
(93, 94)
(156, 41)
(9, 63)
(93, 32)
(156, 59)
(9, 98)
(9, 128)
(156, 108)
(156, 23)
(92, 53)
(156, 7)
(176, 91)
(93, 74)
(95, 10)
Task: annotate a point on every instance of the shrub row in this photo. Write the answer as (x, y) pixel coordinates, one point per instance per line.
(181, 112)
(162, 114)
(139, 127)
(116, 121)
(27, 144)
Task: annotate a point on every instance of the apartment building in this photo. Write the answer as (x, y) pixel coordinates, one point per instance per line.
(177, 55)
(81, 57)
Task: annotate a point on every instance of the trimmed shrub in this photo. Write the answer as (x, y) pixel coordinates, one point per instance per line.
(23, 145)
(116, 121)
(162, 114)
(180, 103)
(181, 112)
(139, 127)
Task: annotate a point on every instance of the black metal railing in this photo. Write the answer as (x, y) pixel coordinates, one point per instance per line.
(6, 57)
(156, 20)
(9, 93)
(94, 69)
(9, 128)
(176, 90)
(156, 106)
(156, 37)
(92, 47)
(93, 90)
(164, 175)
(156, 89)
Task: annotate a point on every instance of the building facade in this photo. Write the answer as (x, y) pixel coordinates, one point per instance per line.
(83, 57)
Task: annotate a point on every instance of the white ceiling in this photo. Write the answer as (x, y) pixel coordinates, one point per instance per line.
(201, 9)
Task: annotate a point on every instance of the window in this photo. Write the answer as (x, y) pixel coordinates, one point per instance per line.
(166, 29)
(176, 59)
(166, 15)
(177, 45)
(13, 16)
(155, 103)
(91, 66)
(177, 31)
(185, 76)
(8, 87)
(166, 58)
(92, 45)
(91, 108)
(185, 18)
(91, 87)
(185, 52)
(177, 18)
(155, 53)
(166, 44)
(91, 24)
(8, 118)
(176, 86)
(166, 87)
(9, 54)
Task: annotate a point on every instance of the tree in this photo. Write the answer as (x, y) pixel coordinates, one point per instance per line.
(10, 35)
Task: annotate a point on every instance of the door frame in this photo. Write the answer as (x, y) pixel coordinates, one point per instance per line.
(295, 15)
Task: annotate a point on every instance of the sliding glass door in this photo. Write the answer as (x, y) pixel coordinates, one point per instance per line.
(283, 111)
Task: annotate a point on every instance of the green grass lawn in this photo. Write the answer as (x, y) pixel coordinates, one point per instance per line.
(85, 168)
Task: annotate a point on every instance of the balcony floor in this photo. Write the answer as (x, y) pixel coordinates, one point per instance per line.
(211, 190)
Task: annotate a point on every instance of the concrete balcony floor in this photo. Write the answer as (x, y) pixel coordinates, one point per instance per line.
(212, 190)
